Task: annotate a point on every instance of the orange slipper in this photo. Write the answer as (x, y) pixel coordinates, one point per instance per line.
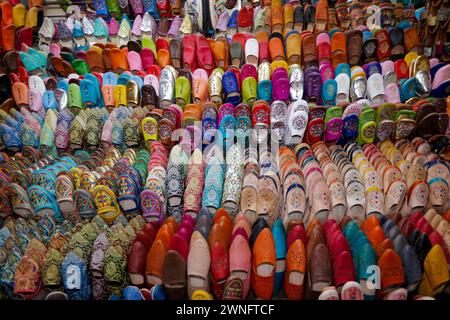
(163, 58)
(7, 13)
(309, 50)
(8, 37)
(412, 41)
(391, 268)
(276, 49)
(262, 36)
(263, 265)
(277, 19)
(63, 67)
(338, 48)
(119, 60)
(221, 212)
(321, 16)
(295, 270)
(220, 51)
(95, 59)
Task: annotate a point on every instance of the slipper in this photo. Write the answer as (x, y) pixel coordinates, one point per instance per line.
(252, 52)
(199, 86)
(338, 49)
(356, 14)
(367, 126)
(299, 18)
(18, 13)
(231, 87)
(24, 38)
(124, 33)
(385, 121)
(384, 44)
(149, 96)
(281, 87)
(236, 53)
(392, 93)
(343, 15)
(310, 19)
(354, 47)
(329, 91)
(309, 51)
(88, 31)
(411, 39)
(293, 50)
(343, 88)
(375, 88)
(358, 87)
(118, 59)
(313, 81)
(296, 80)
(182, 91)
(441, 82)
(408, 89)
(114, 9)
(323, 47)
(205, 56)
(7, 13)
(245, 18)
(249, 90)
(101, 31)
(46, 34)
(321, 18)
(276, 18)
(189, 52)
(297, 121)
(350, 127)
(397, 47)
(276, 49)
(370, 47)
(152, 80)
(33, 66)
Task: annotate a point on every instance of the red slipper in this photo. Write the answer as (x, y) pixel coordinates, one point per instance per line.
(189, 52)
(204, 53)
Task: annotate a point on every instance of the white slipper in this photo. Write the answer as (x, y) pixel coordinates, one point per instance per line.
(343, 87)
(375, 88)
(252, 52)
(37, 83)
(88, 29)
(124, 33)
(296, 81)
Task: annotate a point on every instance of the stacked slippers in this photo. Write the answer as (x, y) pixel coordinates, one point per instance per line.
(197, 150)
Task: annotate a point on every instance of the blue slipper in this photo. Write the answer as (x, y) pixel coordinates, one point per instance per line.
(329, 89)
(407, 89)
(96, 83)
(109, 78)
(265, 90)
(343, 68)
(279, 239)
(88, 93)
(49, 100)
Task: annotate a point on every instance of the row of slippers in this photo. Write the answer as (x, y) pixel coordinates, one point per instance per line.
(78, 34)
(354, 47)
(356, 9)
(65, 116)
(41, 253)
(390, 81)
(372, 182)
(217, 258)
(256, 17)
